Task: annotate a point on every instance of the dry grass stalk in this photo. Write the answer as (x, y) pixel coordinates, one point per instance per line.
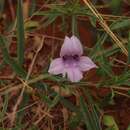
(13, 115)
(14, 87)
(105, 26)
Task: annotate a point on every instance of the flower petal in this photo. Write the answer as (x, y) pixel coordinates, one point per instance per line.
(56, 66)
(71, 46)
(77, 45)
(86, 63)
(74, 74)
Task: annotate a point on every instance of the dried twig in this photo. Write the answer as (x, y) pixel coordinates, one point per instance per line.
(11, 88)
(105, 26)
(24, 85)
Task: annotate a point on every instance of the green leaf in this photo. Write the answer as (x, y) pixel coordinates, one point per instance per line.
(20, 32)
(121, 24)
(75, 120)
(105, 68)
(90, 118)
(24, 103)
(20, 114)
(46, 99)
(100, 41)
(2, 3)
(55, 101)
(32, 7)
(5, 105)
(86, 115)
(128, 92)
(116, 6)
(50, 20)
(31, 24)
(33, 127)
(108, 99)
(18, 127)
(57, 98)
(129, 49)
(93, 110)
(110, 122)
(2, 65)
(47, 13)
(51, 102)
(17, 69)
(93, 21)
(66, 103)
(128, 127)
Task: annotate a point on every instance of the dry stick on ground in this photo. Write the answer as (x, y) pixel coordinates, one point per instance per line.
(24, 85)
(105, 26)
(122, 94)
(45, 113)
(25, 108)
(19, 86)
(41, 77)
(107, 17)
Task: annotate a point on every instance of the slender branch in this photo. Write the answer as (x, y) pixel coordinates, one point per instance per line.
(105, 26)
(24, 85)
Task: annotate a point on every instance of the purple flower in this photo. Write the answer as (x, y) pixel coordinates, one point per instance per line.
(71, 63)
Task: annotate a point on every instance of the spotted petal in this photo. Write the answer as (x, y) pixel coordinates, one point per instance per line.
(56, 66)
(71, 46)
(74, 74)
(86, 63)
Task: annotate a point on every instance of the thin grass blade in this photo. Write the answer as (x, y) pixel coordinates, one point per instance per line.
(20, 32)
(17, 69)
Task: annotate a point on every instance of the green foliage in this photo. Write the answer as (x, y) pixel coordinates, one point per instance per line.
(4, 109)
(90, 118)
(128, 127)
(2, 3)
(121, 24)
(69, 9)
(75, 121)
(32, 7)
(87, 112)
(110, 122)
(33, 127)
(28, 26)
(108, 99)
(17, 69)
(20, 115)
(129, 49)
(20, 32)
(116, 6)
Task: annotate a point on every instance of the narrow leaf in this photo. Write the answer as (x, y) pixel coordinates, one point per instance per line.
(32, 7)
(129, 49)
(17, 69)
(2, 3)
(5, 105)
(110, 122)
(85, 113)
(20, 32)
(121, 24)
